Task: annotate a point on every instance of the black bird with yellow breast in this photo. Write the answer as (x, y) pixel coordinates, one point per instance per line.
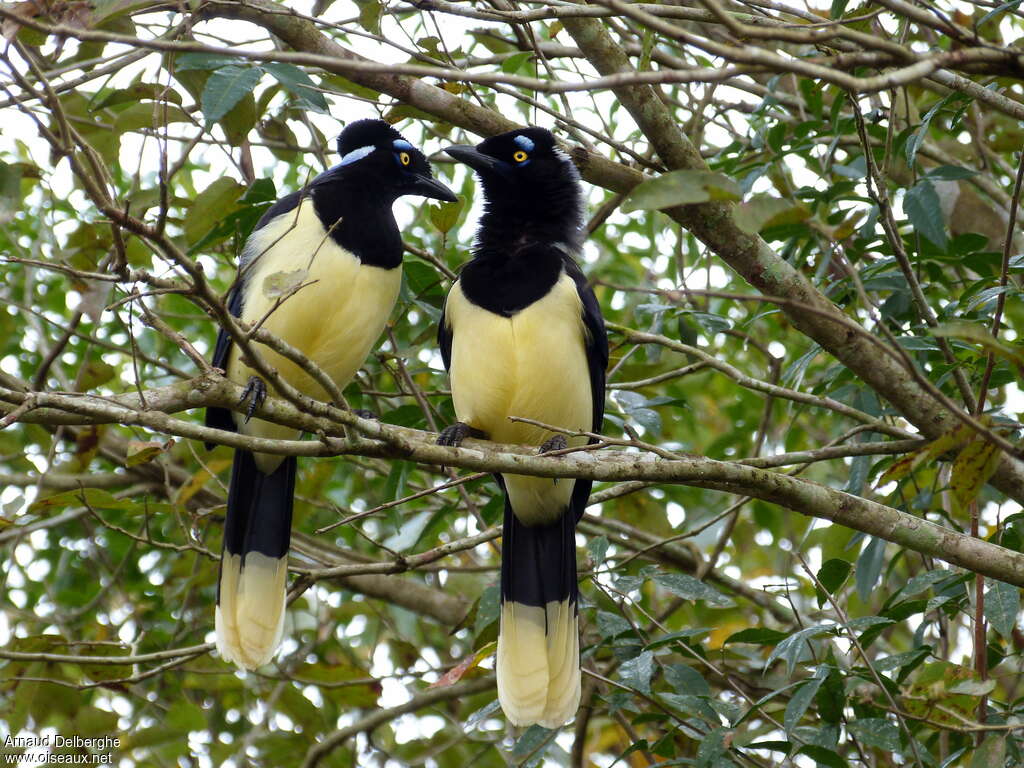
(522, 335)
(337, 241)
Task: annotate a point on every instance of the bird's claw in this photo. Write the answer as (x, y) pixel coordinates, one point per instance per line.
(457, 432)
(556, 443)
(255, 392)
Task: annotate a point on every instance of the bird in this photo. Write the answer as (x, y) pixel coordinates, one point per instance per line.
(522, 334)
(321, 271)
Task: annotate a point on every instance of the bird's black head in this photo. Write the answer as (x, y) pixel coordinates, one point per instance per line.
(381, 165)
(531, 188)
(353, 199)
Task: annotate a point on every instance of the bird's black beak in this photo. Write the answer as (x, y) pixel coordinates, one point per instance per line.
(428, 186)
(475, 159)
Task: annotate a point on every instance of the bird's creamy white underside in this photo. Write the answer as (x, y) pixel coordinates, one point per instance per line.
(334, 318)
(538, 670)
(532, 365)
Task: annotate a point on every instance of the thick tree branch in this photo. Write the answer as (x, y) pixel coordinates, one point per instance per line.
(391, 442)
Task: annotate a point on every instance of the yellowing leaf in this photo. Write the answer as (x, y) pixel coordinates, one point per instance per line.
(198, 480)
(760, 212)
(971, 470)
(456, 673)
(445, 215)
(953, 440)
(283, 283)
(140, 452)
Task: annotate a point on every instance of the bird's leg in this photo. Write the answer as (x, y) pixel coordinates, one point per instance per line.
(457, 432)
(255, 392)
(556, 443)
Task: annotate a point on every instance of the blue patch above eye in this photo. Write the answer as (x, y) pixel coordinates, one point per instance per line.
(525, 142)
(401, 144)
(356, 154)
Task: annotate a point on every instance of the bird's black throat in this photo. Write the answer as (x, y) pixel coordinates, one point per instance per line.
(545, 210)
(526, 233)
(508, 282)
(361, 222)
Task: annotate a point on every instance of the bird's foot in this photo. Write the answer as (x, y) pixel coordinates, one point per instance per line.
(255, 392)
(457, 432)
(362, 413)
(556, 443)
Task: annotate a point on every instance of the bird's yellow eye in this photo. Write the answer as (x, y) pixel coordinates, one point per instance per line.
(519, 156)
(403, 158)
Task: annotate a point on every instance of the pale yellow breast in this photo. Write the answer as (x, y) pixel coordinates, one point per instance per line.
(334, 319)
(532, 365)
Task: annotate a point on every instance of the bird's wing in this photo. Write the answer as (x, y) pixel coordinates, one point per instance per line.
(444, 337)
(596, 340)
(221, 418)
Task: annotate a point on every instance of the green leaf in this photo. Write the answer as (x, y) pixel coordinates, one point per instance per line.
(10, 190)
(481, 715)
(213, 204)
(686, 587)
(915, 142)
(1002, 604)
(299, 84)
(532, 744)
(992, 751)
(369, 15)
(922, 206)
(512, 64)
(869, 567)
(681, 188)
(823, 756)
(950, 173)
(636, 673)
(225, 88)
(135, 93)
(423, 280)
(832, 575)
(148, 115)
(799, 702)
(876, 732)
(974, 687)
(712, 750)
(185, 716)
(923, 582)
(792, 648)
(756, 636)
(202, 61)
(96, 373)
(997, 12)
(980, 335)
(686, 680)
(487, 609)
(444, 216)
(598, 548)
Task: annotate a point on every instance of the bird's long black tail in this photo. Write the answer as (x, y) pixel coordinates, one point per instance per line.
(254, 561)
(538, 642)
